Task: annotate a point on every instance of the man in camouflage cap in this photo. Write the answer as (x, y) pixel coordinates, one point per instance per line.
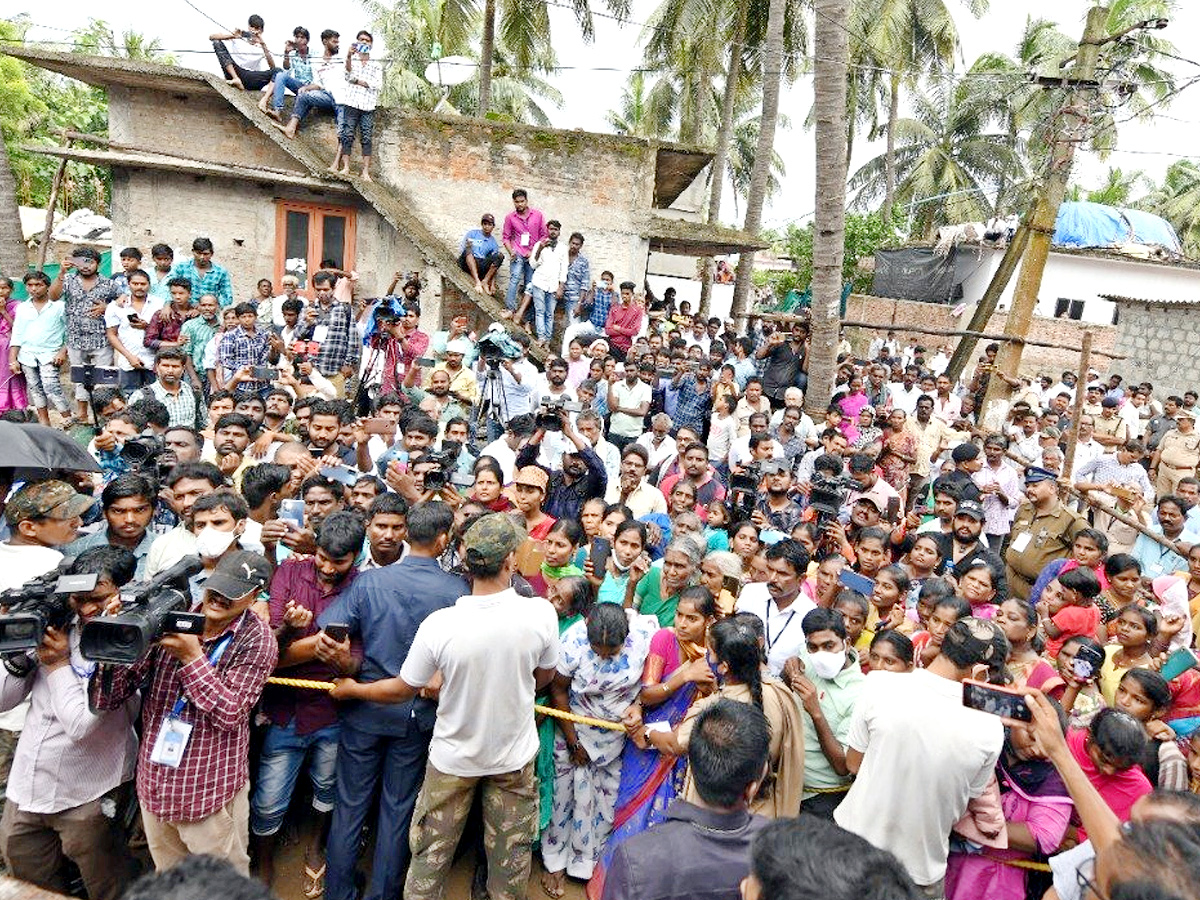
(494, 649)
(43, 516)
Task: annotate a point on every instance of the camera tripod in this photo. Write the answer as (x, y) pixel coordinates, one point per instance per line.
(493, 407)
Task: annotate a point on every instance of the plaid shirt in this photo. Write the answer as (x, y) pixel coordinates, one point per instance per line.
(85, 331)
(692, 407)
(364, 98)
(215, 764)
(602, 302)
(579, 276)
(214, 280)
(162, 328)
(181, 407)
(341, 346)
(239, 349)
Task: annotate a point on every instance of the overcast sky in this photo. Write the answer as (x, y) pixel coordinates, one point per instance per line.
(593, 86)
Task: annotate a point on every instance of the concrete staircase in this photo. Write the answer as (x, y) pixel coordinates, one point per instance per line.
(394, 205)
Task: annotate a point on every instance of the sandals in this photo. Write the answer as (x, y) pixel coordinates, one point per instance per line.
(314, 882)
(557, 891)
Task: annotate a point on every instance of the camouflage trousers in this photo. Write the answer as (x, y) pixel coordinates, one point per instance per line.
(510, 821)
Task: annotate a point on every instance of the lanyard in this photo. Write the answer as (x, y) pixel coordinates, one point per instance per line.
(771, 642)
(214, 657)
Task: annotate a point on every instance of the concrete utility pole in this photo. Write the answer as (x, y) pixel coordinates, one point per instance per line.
(1069, 121)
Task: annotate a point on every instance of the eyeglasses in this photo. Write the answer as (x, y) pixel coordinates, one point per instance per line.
(1086, 883)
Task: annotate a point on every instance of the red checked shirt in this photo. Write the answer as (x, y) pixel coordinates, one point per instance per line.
(215, 763)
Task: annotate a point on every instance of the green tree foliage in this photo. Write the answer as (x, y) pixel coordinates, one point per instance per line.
(865, 233)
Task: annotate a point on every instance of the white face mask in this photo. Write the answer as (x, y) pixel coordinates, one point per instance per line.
(211, 543)
(825, 664)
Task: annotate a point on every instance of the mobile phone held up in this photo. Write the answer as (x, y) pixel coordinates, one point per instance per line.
(292, 512)
(601, 548)
(998, 701)
(337, 631)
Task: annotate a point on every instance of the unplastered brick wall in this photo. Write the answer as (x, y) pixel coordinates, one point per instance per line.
(897, 314)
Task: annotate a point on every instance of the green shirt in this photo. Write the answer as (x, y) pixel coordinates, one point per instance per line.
(837, 698)
(198, 333)
(648, 599)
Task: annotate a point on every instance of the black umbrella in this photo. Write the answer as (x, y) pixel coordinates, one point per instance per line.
(41, 447)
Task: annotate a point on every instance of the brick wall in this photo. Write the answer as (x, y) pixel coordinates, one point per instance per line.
(897, 314)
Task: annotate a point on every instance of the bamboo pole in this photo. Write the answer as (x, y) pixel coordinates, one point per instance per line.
(52, 204)
(1085, 360)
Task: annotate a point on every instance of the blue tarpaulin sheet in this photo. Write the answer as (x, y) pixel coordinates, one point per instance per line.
(1084, 224)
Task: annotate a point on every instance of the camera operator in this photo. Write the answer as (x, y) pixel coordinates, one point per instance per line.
(128, 504)
(66, 786)
(193, 766)
(581, 478)
(516, 381)
(862, 469)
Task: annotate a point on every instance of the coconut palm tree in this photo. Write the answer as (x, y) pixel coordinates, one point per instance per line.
(1120, 188)
(947, 161)
(639, 115)
(830, 69)
(1177, 200)
(739, 164)
(903, 40)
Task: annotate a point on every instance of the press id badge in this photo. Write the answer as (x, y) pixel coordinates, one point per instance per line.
(525, 239)
(171, 742)
(320, 333)
(1021, 541)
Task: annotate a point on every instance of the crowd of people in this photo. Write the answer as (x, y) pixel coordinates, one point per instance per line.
(749, 615)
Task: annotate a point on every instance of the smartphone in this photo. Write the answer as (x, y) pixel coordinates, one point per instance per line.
(601, 548)
(998, 701)
(135, 319)
(425, 362)
(1178, 663)
(733, 584)
(1087, 662)
(893, 509)
(856, 582)
(341, 474)
(379, 426)
(337, 631)
(292, 512)
(264, 373)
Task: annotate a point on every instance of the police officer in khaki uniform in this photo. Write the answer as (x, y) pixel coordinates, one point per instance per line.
(1177, 454)
(1043, 531)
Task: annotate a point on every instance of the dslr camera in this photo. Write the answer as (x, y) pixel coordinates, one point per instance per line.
(148, 611)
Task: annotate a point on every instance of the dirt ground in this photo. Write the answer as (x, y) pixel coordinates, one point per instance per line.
(289, 872)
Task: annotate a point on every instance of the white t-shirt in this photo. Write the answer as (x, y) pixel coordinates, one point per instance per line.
(505, 455)
(246, 55)
(784, 636)
(487, 649)
(925, 756)
(628, 398)
(134, 339)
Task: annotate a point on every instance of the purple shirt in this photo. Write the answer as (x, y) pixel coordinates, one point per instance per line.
(533, 224)
(296, 580)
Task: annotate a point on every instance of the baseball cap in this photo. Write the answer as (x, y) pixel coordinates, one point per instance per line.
(239, 573)
(1034, 474)
(533, 476)
(969, 508)
(46, 500)
(491, 539)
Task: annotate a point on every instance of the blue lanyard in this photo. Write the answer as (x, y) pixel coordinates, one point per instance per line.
(214, 657)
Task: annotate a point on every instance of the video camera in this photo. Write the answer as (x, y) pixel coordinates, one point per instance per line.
(445, 473)
(149, 610)
(743, 486)
(549, 413)
(35, 606)
(145, 454)
(495, 346)
(827, 497)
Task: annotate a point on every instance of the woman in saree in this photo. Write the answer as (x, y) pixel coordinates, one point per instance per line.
(599, 675)
(676, 672)
(735, 644)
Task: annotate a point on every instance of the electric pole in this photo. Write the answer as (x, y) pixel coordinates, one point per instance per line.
(1068, 127)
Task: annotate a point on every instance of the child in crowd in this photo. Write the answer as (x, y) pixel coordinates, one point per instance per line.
(1068, 609)
(854, 608)
(927, 644)
(871, 551)
(890, 651)
(716, 530)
